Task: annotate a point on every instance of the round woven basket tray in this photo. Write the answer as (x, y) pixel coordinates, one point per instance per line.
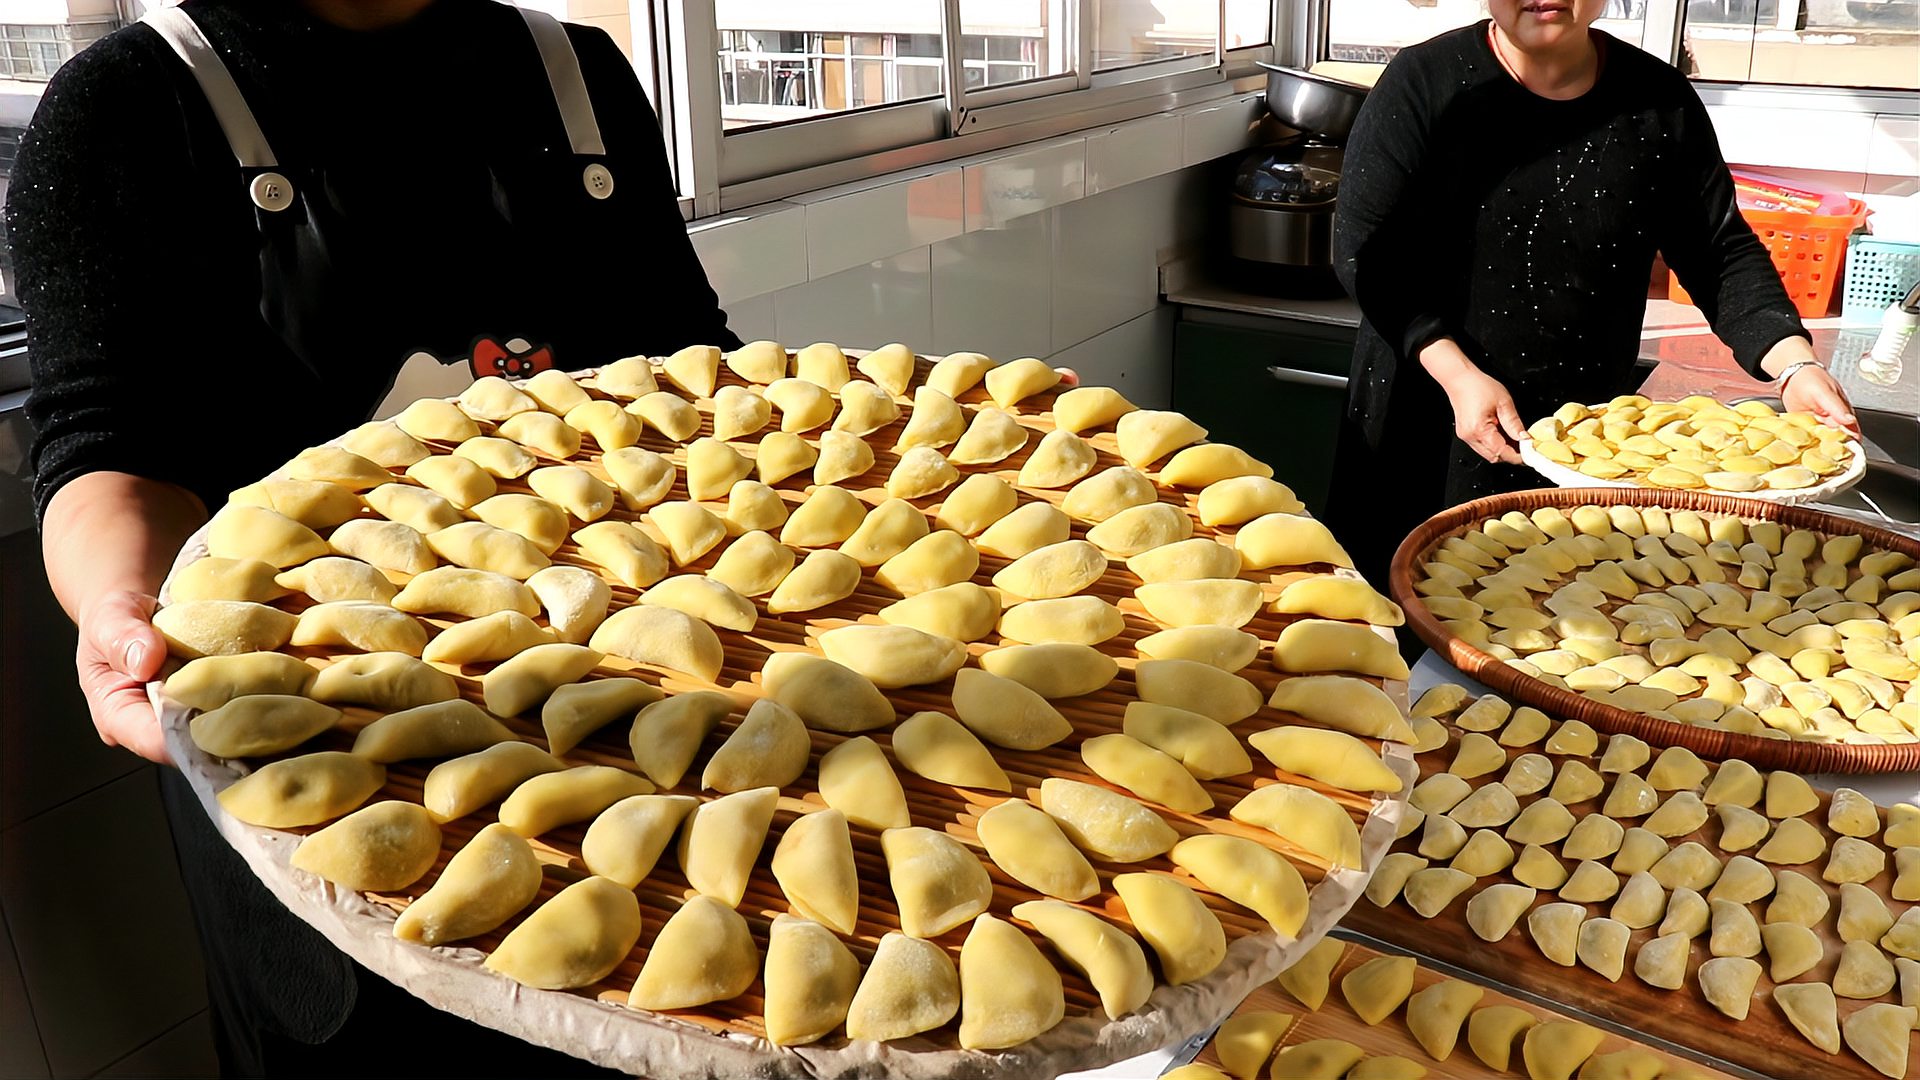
(1803, 756)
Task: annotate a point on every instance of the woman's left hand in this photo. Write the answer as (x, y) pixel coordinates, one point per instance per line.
(1814, 390)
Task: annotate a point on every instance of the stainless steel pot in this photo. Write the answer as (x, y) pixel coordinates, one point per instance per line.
(1313, 103)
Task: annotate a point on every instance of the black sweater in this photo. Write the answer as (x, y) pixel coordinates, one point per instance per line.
(1525, 228)
(139, 254)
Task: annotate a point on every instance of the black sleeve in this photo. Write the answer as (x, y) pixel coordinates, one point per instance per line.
(1725, 268)
(1377, 238)
(99, 213)
(680, 288)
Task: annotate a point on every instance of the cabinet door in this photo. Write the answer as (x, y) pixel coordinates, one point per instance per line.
(1278, 396)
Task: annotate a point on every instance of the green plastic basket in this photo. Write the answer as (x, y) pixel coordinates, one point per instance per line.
(1879, 272)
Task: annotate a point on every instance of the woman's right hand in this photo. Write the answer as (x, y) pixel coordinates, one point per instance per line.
(120, 652)
(1484, 416)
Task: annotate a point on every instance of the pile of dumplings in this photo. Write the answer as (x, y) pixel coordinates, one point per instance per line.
(1747, 627)
(1291, 1030)
(753, 686)
(1695, 443)
(1782, 906)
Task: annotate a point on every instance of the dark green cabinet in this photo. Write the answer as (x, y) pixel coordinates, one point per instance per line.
(1274, 388)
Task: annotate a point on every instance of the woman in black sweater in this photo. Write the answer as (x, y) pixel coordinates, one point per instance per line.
(441, 177)
(1506, 188)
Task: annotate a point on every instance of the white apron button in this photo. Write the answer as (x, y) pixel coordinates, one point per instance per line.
(271, 191)
(598, 180)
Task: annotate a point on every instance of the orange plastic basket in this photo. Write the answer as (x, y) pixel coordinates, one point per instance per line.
(1809, 250)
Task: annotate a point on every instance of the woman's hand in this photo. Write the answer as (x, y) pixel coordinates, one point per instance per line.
(1813, 389)
(120, 652)
(1484, 416)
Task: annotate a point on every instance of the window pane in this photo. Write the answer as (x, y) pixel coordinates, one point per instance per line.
(831, 56)
(1865, 43)
(1031, 33)
(1249, 22)
(1372, 31)
(1140, 31)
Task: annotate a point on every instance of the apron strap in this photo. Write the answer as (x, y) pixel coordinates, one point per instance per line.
(569, 89)
(189, 42)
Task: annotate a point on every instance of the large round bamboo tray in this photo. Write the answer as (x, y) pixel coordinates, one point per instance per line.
(727, 1038)
(1801, 756)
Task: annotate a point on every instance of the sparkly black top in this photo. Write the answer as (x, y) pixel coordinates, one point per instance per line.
(1525, 228)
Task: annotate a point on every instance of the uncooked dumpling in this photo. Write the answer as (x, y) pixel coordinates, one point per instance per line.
(1009, 991)
(626, 840)
(1249, 874)
(442, 729)
(1109, 958)
(810, 981)
(335, 465)
(320, 505)
(910, 986)
(694, 369)
(1491, 1031)
(842, 457)
(437, 420)
(1864, 972)
(1131, 765)
(763, 362)
(857, 780)
(768, 749)
(1288, 540)
(662, 637)
(1139, 529)
(1792, 950)
(1603, 946)
(1061, 458)
(938, 559)
(1086, 407)
(381, 848)
(1005, 713)
(1317, 1059)
(211, 682)
(936, 746)
(1309, 977)
(962, 612)
(1376, 989)
(956, 373)
(1428, 892)
(1434, 1015)
(1881, 1035)
(331, 578)
(722, 839)
(1185, 560)
(813, 864)
(823, 577)
(259, 725)
(1184, 934)
(828, 516)
(667, 734)
(494, 398)
(1306, 819)
(937, 884)
(543, 523)
(936, 420)
(825, 694)
(1338, 598)
(579, 709)
(753, 565)
(754, 507)
(1060, 569)
(980, 501)
(555, 391)
(1493, 911)
(642, 476)
(384, 681)
(486, 883)
(803, 406)
(527, 679)
(1331, 757)
(892, 366)
(1554, 1049)
(1109, 492)
(1555, 929)
(885, 531)
(304, 790)
(1105, 823)
(1055, 670)
(1146, 436)
(992, 436)
(1197, 687)
(893, 656)
(1811, 1009)
(1231, 602)
(1241, 499)
(543, 432)
(864, 408)
(823, 364)
(479, 546)
(251, 532)
(359, 625)
(1025, 530)
(1789, 795)
(627, 379)
(739, 411)
(921, 471)
(1084, 620)
(712, 467)
(474, 594)
(1351, 705)
(610, 426)
(550, 800)
(575, 939)
(704, 953)
(501, 458)
(458, 787)
(703, 598)
(419, 508)
(783, 454)
(1315, 645)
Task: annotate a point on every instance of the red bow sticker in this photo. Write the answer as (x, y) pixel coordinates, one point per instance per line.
(490, 357)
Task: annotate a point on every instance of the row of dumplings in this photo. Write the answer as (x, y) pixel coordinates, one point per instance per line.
(1677, 892)
(1749, 627)
(1436, 1016)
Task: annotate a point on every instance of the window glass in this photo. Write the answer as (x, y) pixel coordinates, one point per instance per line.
(1141, 31)
(814, 59)
(1014, 40)
(1864, 43)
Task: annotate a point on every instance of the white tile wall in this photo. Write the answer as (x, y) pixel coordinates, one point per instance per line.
(854, 228)
(1218, 130)
(1104, 266)
(1132, 358)
(883, 301)
(1793, 138)
(754, 318)
(1016, 185)
(753, 252)
(993, 290)
(1133, 152)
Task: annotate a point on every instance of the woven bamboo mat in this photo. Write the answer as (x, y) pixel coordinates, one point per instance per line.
(649, 1042)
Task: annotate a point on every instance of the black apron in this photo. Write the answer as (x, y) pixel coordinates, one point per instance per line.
(357, 274)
